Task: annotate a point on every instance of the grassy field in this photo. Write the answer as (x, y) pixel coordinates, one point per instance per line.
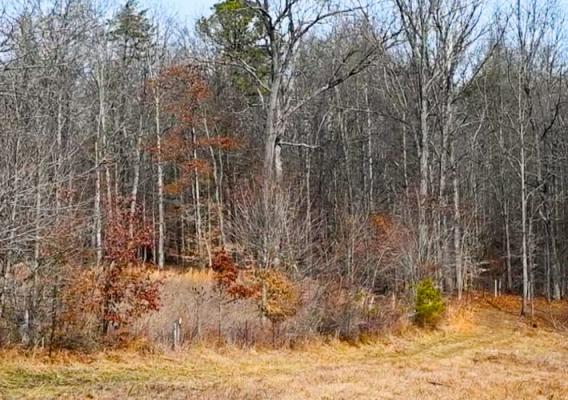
(482, 352)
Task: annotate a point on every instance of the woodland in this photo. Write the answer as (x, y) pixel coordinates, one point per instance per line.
(279, 170)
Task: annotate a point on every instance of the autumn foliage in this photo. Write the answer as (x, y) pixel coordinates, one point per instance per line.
(126, 290)
(182, 89)
(230, 280)
(120, 290)
(125, 234)
(191, 141)
(276, 296)
(279, 296)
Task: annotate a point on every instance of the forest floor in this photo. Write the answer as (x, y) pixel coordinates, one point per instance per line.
(484, 351)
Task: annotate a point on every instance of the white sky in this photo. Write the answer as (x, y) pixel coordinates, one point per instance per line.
(191, 10)
(185, 9)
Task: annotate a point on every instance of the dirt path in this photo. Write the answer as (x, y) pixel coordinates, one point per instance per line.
(501, 358)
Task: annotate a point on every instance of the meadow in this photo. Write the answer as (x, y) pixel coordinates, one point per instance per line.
(482, 350)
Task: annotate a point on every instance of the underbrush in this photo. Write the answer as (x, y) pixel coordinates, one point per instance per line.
(430, 364)
(195, 311)
(205, 314)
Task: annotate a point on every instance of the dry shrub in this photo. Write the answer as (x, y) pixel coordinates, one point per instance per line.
(336, 312)
(125, 294)
(138, 344)
(232, 304)
(99, 304)
(226, 275)
(205, 314)
(276, 296)
(211, 316)
(354, 314)
(124, 289)
(76, 324)
(279, 298)
(305, 324)
(307, 313)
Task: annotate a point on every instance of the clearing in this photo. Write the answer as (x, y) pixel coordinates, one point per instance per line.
(485, 352)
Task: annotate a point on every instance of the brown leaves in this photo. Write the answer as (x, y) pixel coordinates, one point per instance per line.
(127, 293)
(182, 89)
(113, 295)
(383, 224)
(121, 290)
(196, 165)
(181, 93)
(230, 280)
(225, 143)
(124, 233)
(277, 296)
(226, 272)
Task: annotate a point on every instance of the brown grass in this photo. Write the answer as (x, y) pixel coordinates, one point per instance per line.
(483, 351)
(193, 275)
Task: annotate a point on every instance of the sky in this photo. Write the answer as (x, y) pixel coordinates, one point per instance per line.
(191, 10)
(185, 9)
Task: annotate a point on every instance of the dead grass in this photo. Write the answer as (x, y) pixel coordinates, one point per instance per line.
(192, 275)
(482, 352)
(460, 317)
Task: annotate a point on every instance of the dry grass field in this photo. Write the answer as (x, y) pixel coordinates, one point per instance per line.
(483, 351)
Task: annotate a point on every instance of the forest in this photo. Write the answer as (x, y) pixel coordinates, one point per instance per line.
(278, 171)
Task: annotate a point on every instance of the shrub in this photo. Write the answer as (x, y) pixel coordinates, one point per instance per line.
(102, 302)
(279, 299)
(277, 296)
(429, 303)
(124, 288)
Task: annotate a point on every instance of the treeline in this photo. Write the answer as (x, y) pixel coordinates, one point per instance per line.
(362, 147)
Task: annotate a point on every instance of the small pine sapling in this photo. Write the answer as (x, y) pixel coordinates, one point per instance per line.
(429, 305)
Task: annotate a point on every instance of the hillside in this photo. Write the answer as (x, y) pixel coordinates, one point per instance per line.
(482, 351)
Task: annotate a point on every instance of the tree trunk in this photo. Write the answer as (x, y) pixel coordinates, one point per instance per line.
(524, 233)
(161, 216)
(457, 225)
(136, 178)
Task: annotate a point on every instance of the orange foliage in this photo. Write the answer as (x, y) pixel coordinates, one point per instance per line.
(182, 89)
(225, 143)
(277, 296)
(121, 290)
(227, 278)
(111, 296)
(388, 231)
(383, 225)
(225, 270)
(173, 188)
(175, 147)
(280, 297)
(126, 290)
(196, 165)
